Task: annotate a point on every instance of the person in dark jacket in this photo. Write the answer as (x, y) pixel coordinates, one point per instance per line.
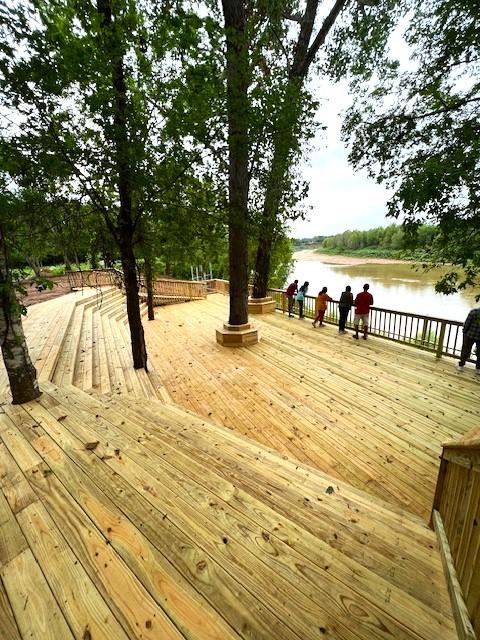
(290, 293)
(344, 305)
(471, 336)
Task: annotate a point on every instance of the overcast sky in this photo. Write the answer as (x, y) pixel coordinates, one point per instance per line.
(339, 197)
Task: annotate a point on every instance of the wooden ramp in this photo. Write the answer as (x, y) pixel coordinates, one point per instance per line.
(373, 414)
(122, 518)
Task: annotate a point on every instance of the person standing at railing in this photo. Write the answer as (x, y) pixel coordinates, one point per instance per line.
(321, 304)
(302, 292)
(344, 305)
(471, 336)
(363, 302)
(290, 293)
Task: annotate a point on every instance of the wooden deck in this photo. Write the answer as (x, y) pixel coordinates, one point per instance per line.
(141, 510)
(125, 520)
(373, 413)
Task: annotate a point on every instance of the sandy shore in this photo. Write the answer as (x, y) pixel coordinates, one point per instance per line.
(309, 255)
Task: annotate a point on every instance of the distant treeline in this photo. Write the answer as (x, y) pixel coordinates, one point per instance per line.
(303, 243)
(388, 241)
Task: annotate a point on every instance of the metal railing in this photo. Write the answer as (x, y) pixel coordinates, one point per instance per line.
(438, 335)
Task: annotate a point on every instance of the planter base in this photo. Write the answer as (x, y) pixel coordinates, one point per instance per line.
(261, 305)
(237, 335)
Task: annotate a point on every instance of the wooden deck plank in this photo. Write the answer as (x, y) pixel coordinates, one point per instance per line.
(146, 511)
(259, 525)
(8, 626)
(411, 561)
(80, 602)
(12, 541)
(225, 593)
(35, 609)
(379, 436)
(136, 585)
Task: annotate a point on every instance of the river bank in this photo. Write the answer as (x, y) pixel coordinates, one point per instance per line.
(326, 258)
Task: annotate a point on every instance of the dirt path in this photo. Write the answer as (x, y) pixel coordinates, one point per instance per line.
(308, 254)
(60, 288)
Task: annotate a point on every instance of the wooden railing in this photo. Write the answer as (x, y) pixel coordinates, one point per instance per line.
(220, 286)
(223, 286)
(166, 291)
(456, 519)
(438, 335)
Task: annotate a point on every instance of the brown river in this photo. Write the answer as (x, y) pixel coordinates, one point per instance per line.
(394, 285)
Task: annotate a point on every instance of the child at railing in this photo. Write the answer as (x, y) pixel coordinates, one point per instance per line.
(321, 306)
(302, 292)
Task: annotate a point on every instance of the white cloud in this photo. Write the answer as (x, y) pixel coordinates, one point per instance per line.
(339, 197)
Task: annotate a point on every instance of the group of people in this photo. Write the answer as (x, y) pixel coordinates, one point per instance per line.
(362, 303)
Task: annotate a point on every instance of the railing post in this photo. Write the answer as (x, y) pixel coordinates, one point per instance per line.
(283, 302)
(424, 331)
(441, 338)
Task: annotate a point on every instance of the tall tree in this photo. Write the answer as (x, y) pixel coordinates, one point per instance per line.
(418, 131)
(124, 227)
(20, 370)
(238, 149)
(90, 95)
(286, 134)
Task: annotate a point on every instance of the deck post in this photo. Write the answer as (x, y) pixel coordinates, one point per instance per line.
(441, 338)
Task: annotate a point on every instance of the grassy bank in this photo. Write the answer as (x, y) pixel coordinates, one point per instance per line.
(369, 252)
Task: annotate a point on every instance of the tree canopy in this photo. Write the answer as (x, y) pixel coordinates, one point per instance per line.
(417, 128)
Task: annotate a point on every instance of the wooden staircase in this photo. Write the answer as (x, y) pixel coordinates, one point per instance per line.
(91, 350)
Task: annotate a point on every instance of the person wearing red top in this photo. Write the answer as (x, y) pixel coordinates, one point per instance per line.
(363, 302)
(290, 293)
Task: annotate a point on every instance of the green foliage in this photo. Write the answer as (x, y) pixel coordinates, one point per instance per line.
(418, 131)
(281, 262)
(383, 242)
(55, 79)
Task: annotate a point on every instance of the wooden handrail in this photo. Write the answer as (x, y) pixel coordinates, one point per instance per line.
(471, 440)
(455, 518)
(166, 290)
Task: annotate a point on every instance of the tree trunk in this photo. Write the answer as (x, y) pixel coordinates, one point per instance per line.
(36, 266)
(20, 370)
(273, 197)
(125, 227)
(66, 260)
(237, 107)
(137, 338)
(107, 260)
(149, 285)
(93, 260)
